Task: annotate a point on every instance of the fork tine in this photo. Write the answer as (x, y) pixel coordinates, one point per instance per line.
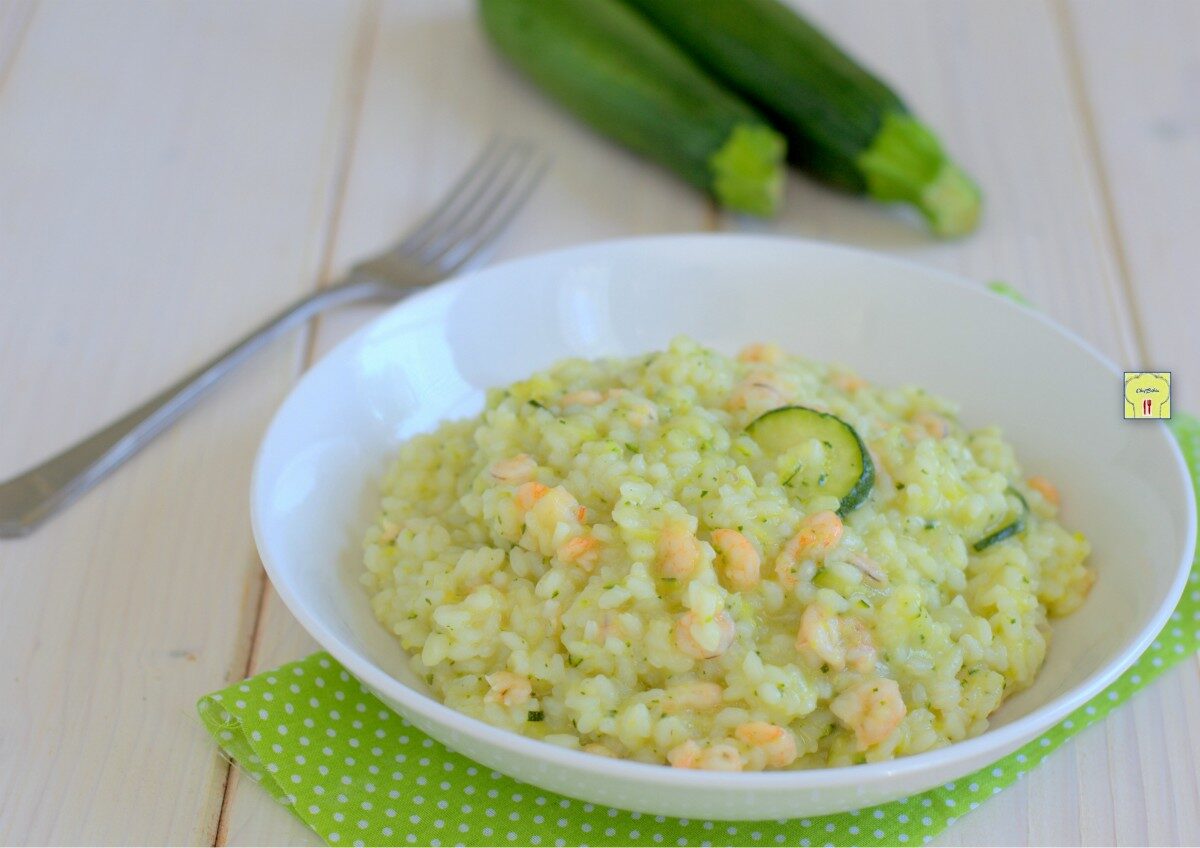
(483, 166)
(496, 222)
(492, 187)
(472, 221)
(480, 188)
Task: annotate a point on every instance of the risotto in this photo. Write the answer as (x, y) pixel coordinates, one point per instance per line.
(712, 562)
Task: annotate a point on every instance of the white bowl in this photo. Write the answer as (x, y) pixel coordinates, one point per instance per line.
(1060, 403)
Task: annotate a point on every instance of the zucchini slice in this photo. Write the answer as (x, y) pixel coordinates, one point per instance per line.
(846, 470)
(1011, 527)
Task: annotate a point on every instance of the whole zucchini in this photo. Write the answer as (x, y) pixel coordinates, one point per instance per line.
(617, 72)
(843, 125)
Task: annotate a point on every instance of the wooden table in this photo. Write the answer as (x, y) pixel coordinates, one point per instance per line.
(169, 173)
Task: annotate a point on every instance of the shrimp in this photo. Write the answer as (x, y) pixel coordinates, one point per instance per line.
(847, 382)
(678, 551)
(554, 515)
(720, 757)
(739, 558)
(872, 709)
(1044, 488)
(859, 646)
(508, 688)
(818, 535)
(642, 413)
(700, 695)
(761, 352)
(839, 642)
(527, 494)
(928, 424)
(704, 639)
(583, 551)
(685, 755)
(515, 469)
(583, 397)
(821, 632)
(758, 391)
(777, 743)
(554, 505)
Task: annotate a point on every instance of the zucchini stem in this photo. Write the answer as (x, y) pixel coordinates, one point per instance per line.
(747, 170)
(906, 163)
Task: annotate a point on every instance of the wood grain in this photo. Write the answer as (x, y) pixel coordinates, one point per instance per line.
(151, 210)
(1139, 74)
(169, 173)
(420, 127)
(1137, 69)
(15, 16)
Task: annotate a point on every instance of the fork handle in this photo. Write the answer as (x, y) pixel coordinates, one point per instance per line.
(30, 498)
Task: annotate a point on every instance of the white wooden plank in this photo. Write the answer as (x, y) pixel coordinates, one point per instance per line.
(1140, 68)
(166, 172)
(15, 16)
(421, 126)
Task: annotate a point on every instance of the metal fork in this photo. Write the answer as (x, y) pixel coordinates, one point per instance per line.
(472, 215)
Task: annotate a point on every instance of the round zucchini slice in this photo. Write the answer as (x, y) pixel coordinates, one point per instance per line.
(1012, 526)
(844, 470)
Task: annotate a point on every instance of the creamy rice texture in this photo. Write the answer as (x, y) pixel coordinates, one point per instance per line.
(605, 559)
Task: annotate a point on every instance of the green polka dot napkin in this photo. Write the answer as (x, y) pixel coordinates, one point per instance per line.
(358, 774)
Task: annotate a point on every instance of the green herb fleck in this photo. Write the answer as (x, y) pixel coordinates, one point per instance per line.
(536, 715)
(535, 404)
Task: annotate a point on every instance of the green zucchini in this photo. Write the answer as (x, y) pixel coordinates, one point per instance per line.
(618, 73)
(843, 124)
(1010, 527)
(846, 471)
